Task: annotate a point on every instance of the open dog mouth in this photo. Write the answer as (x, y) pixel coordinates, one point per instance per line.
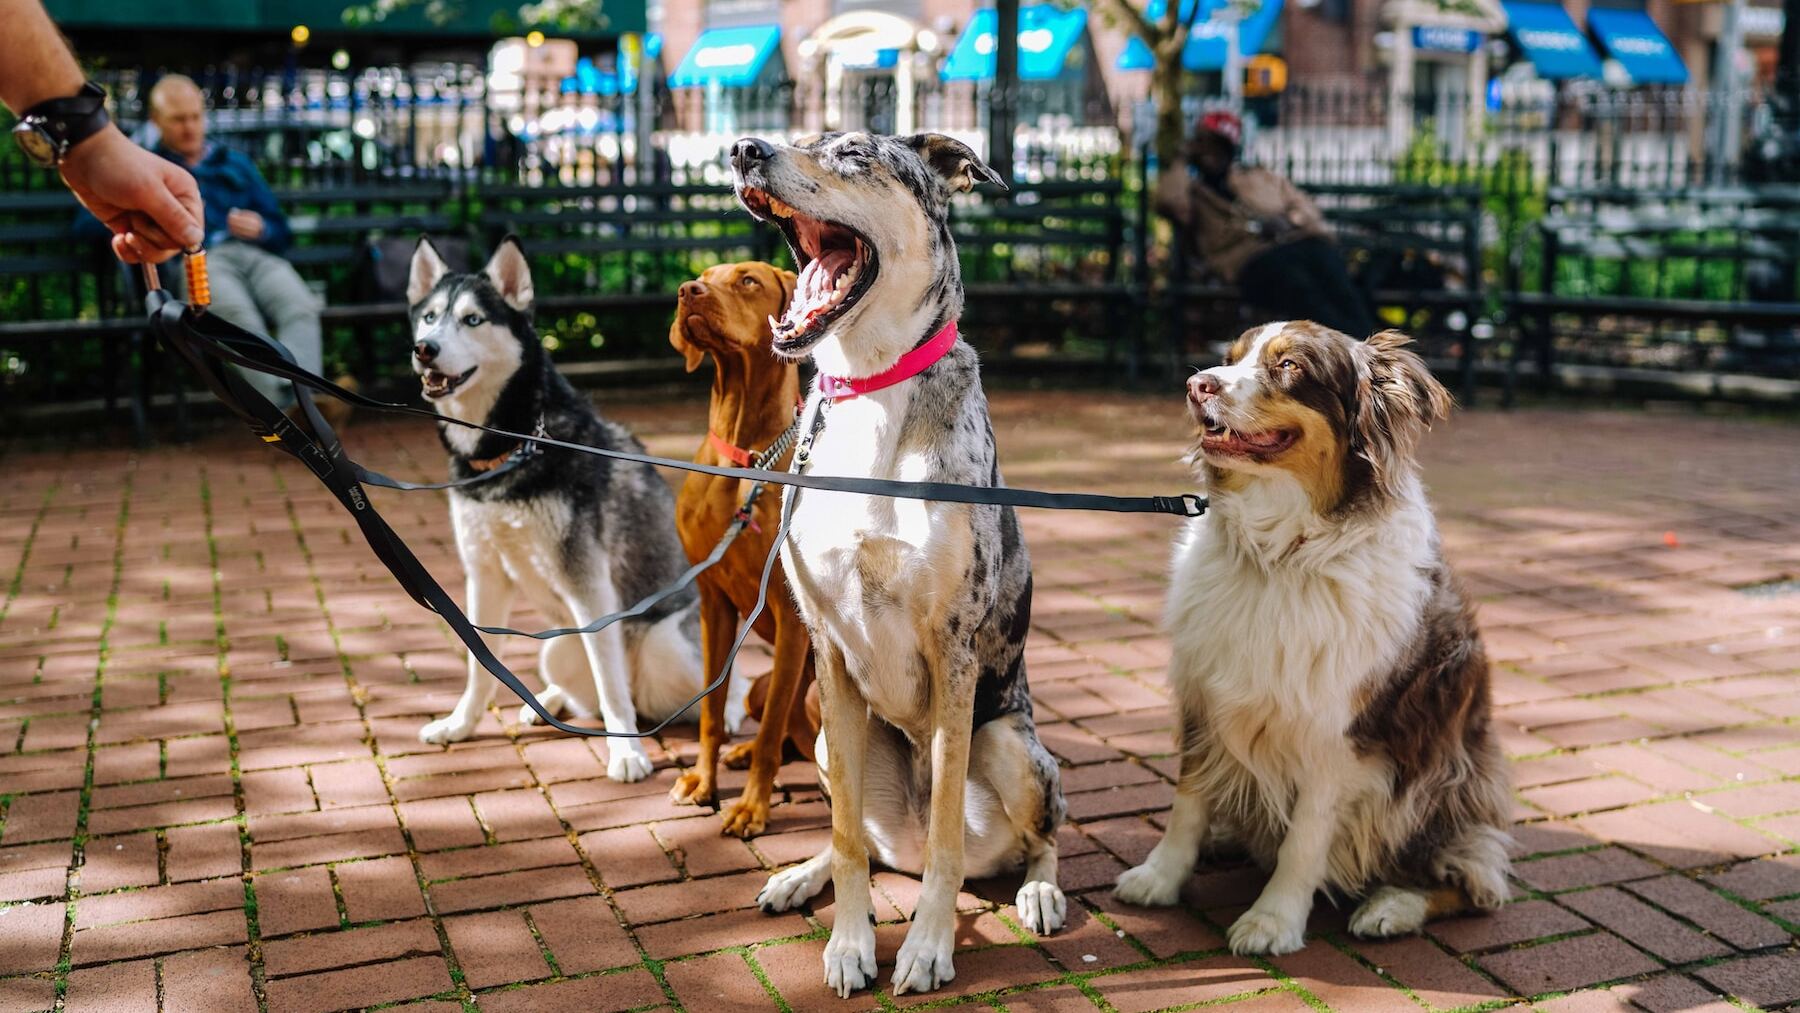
(837, 266)
(434, 384)
(1218, 438)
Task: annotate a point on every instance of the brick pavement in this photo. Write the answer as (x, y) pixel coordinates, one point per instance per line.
(211, 797)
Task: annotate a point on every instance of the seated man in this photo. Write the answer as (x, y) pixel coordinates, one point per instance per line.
(246, 232)
(1255, 229)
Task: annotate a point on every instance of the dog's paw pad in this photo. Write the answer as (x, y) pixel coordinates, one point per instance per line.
(850, 961)
(1389, 912)
(1041, 907)
(628, 766)
(446, 730)
(1147, 886)
(1265, 933)
(922, 966)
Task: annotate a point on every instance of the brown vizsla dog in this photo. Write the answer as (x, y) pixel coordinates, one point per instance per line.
(726, 312)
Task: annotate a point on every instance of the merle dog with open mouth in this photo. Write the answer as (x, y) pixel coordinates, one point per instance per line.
(918, 611)
(577, 535)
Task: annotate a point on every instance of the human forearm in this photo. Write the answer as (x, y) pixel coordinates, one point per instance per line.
(35, 62)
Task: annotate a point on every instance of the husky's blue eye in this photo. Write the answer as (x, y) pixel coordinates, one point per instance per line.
(430, 316)
(472, 320)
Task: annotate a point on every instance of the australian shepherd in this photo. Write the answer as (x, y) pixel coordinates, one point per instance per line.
(1330, 680)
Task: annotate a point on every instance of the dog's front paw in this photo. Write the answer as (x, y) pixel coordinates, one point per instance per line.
(1041, 907)
(692, 788)
(1148, 886)
(790, 888)
(1264, 932)
(1389, 911)
(738, 757)
(850, 958)
(746, 817)
(628, 763)
(451, 728)
(924, 961)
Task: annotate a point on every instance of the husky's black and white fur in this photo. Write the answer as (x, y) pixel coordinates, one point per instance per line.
(577, 535)
(918, 611)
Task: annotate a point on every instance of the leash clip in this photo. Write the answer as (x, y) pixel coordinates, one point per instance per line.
(1193, 503)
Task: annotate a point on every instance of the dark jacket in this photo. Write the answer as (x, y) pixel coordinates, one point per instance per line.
(228, 179)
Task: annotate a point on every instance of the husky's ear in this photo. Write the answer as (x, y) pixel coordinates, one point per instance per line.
(511, 274)
(693, 353)
(953, 160)
(427, 270)
(1397, 400)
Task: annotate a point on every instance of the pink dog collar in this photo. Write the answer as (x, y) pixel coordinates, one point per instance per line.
(911, 364)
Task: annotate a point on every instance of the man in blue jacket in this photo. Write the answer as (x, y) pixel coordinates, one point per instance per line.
(246, 233)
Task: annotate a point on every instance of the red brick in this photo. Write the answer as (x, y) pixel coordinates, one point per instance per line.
(1171, 984)
(35, 884)
(208, 981)
(493, 858)
(517, 815)
(1567, 964)
(678, 900)
(380, 890)
(165, 935)
(334, 848)
(1641, 924)
(511, 888)
(583, 935)
(295, 900)
(1165, 932)
(1710, 911)
(269, 829)
(1339, 981)
(27, 995)
(1064, 999)
(172, 790)
(701, 849)
(442, 823)
(1085, 943)
(797, 970)
(161, 902)
(113, 764)
(40, 818)
(1763, 981)
(282, 790)
(1679, 834)
(1437, 978)
(1587, 796)
(495, 948)
(722, 981)
(1762, 879)
(718, 931)
(203, 852)
(1586, 868)
(161, 814)
(1514, 923)
(605, 994)
(356, 783)
(324, 951)
(206, 755)
(30, 937)
(122, 986)
(631, 856)
(1671, 993)
(356, 987)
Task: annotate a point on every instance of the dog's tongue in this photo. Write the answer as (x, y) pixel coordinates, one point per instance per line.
(816, 287)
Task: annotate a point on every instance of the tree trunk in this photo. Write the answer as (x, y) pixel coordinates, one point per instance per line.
(1165, 87)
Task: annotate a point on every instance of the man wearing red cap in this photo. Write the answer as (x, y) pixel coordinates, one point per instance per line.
(1253, 228)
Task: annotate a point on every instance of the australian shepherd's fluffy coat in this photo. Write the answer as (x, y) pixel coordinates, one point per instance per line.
(1331, 683)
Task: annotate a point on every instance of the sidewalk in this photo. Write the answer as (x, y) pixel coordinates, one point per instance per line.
(212, 796)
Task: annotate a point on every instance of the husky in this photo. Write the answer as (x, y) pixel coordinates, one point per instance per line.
(918, 611)
(578, 535)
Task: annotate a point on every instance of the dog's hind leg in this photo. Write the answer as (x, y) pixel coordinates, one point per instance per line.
(792, 887)
(750, 813)
(489, 593)
(1007, 757)
(718, 627)
(563, 667)
(627, 760)
(924, 961)
(1404, 910)
(850, 952)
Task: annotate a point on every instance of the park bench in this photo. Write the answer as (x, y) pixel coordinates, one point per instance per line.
(1700, 279)
(1413, 249)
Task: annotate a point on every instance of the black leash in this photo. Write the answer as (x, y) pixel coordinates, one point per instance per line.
(209, 344)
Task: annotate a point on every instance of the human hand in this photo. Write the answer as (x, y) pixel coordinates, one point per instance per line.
(151, 204)
(245, 225)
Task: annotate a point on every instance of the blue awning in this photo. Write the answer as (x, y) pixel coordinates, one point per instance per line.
(1635, 41)
(731, 56)
(1551, 41)
(1205, 49)
(1046, 37)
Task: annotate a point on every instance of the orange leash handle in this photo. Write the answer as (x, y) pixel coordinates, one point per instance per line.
(199, 286)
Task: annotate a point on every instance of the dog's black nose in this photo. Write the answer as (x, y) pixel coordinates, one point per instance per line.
(426, 351)
(749, 151)
(1203, 387)
(690, 289)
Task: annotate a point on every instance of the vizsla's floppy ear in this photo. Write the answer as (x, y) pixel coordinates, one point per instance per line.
(427, 270)
(511, 274)
(693, 353)
(955, 161)
(1397, 400)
